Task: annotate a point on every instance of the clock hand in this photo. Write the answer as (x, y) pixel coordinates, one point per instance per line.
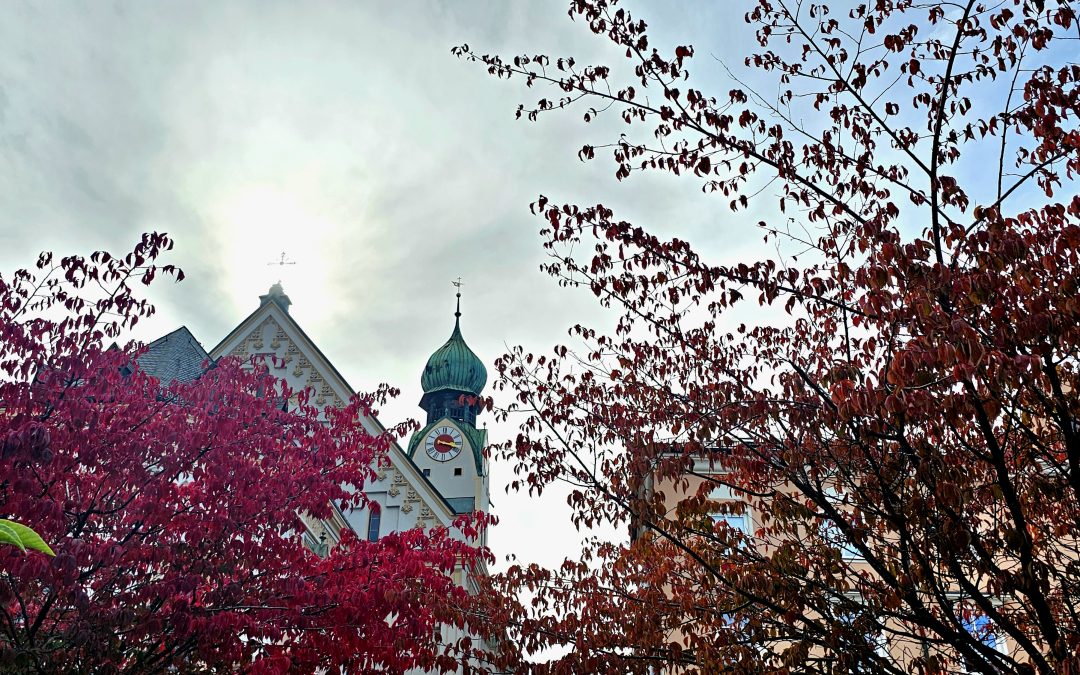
(447, 443)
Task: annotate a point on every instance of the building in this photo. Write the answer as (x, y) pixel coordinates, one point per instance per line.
(443, 472)
(891, 640)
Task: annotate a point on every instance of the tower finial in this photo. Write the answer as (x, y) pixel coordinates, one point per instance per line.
(457, 313)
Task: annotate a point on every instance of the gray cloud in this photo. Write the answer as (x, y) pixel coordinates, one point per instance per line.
(343, 133)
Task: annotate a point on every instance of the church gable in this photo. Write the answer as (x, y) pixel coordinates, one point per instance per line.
(271, 335)
(401, 494)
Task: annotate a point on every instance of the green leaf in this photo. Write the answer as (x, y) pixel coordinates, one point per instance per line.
(10, 536)
(22, 536)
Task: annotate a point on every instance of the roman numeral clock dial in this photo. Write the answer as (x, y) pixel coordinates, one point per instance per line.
(443, 443)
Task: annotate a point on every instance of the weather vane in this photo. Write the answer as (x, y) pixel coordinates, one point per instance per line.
(457, 284)
(282, 262)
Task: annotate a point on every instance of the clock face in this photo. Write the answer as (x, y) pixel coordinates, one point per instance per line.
(443, 443)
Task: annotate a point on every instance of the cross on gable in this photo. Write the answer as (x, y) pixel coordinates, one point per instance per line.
(281, 262)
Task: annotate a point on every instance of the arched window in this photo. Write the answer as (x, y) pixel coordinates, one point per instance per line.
(373, 525)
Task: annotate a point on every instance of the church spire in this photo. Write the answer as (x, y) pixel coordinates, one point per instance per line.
(453, 380)
(452, 372)
(457, 312)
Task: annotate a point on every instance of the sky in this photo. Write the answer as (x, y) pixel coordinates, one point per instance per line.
(345, 135)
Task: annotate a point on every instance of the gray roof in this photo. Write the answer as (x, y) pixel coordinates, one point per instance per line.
(176, 357)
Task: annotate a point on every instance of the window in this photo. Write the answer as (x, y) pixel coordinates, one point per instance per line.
(427, 472)
(737, 521)
(881, 650)
(457, 471)
(831, 533)
(373, 525)
(736, 630)
(982, 629)
(869, 627)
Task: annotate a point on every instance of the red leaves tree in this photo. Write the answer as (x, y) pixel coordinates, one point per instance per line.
(906, 436)
(174, 511)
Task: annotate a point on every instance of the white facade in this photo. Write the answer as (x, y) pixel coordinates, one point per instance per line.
(408, 498)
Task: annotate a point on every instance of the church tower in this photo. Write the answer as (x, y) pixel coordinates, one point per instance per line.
(449, 449)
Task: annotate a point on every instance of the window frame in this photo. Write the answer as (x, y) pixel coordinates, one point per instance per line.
(374, 523)
(878, 639)
(962, 605)
(830, 532)
(725, 494)
(1000, 642)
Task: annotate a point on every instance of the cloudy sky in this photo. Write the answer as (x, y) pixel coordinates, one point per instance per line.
(347, 136)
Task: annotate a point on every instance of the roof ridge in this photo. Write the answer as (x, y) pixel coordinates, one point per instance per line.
(166, 336)
(181, 329)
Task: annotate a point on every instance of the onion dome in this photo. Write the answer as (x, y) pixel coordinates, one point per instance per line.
(454, 367)
(452, 381)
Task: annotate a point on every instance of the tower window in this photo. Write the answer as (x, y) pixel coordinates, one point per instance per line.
(373, 526)
(427, 472)
(457, 471)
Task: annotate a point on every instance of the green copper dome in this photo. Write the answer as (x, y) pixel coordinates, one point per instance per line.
(454, 367)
